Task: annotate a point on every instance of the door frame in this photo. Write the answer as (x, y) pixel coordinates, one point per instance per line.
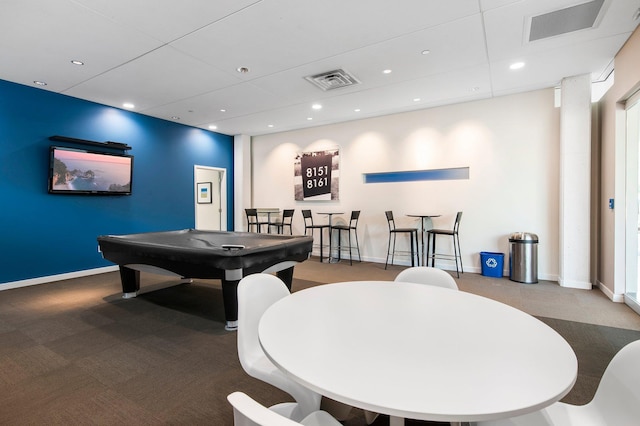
(220, 188)
(632, 144)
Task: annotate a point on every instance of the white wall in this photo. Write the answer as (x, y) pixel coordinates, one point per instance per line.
(510, 144)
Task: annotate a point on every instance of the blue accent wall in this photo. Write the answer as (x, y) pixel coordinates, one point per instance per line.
(46, 234)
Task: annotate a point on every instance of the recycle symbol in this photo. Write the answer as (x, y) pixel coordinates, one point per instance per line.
(491, 262)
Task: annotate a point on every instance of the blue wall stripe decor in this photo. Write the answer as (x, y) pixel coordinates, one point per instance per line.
(417, 175)
(49, 234)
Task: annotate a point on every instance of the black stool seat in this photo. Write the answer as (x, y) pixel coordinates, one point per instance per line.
(286, 221)
(308, 224)
(453, 233)
(254, 220)
(351, 226)
(393, 231)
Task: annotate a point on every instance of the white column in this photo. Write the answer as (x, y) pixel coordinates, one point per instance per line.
(241, 180)
(575, 182)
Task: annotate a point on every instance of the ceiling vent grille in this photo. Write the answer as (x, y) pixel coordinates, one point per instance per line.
(332, 79)
(566, 20)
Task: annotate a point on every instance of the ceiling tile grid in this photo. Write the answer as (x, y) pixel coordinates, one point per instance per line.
(180, 60)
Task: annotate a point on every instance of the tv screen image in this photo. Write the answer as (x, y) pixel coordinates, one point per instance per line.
(74, 171)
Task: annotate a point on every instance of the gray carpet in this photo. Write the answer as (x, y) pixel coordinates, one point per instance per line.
(75, 352)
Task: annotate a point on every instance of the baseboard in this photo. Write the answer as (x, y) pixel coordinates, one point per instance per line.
(582, 285)
(618, 298)
(59, 277)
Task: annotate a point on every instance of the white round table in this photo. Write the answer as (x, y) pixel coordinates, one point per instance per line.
(418, 351)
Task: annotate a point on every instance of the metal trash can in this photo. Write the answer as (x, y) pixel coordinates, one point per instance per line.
(523, 257)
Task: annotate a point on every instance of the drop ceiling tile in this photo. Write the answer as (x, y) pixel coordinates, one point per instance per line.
(162, 76)
(254, 37)
(167, 20)
(455, 45)
(595, 55)
(507, 27)
(458, 86)
(237, 101)
(40, 38)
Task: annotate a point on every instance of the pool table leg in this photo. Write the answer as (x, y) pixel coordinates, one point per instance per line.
(130, 279)
(230, 299)
(230, 282)
(230, 293)
(286, 275)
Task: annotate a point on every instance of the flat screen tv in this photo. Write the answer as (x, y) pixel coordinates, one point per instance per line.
(75, 171)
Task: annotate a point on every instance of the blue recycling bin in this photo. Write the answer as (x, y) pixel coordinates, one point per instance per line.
(492, 264)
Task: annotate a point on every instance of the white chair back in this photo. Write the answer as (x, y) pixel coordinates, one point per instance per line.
(256, 293)
(427, 275)
(249, 412)
(617, 399)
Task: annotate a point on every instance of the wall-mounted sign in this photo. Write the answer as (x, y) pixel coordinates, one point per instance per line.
(316, 175)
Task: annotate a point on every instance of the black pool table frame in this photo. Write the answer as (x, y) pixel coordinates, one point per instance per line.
(193, 253)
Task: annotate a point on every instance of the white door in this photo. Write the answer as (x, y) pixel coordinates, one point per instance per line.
(210, 198)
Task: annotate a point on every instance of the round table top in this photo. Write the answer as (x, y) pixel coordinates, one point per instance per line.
(418, 351)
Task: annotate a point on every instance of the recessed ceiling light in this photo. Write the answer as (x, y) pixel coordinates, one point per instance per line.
(223, 110)
(516, 65)
(175, 117)
(270, 125)
(213, 127)
(357, 110)
(39, 83)
(74, 62)
(316, 106)
(386, 72)
(426, 52)
(128, 105)
(242, 70)
(416, 99)
(475, 89)
(309, 118)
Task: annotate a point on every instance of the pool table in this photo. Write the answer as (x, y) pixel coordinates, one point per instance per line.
(191, 253)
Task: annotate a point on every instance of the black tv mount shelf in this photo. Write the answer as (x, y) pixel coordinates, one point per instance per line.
(107, 144)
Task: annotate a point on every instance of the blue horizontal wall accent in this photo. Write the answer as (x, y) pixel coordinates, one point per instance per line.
(44, 234)
(417, 175)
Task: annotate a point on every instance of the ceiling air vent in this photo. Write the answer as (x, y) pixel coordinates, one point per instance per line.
(566, 20)
(333, 79)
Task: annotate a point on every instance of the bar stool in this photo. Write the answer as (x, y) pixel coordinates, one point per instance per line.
(253, 220)
(431, 244)
(393, 231)
(351, 226)
(287, 219)
(308, 224)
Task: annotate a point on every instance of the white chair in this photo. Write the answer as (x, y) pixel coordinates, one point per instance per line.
(427, 275)
(256, 293)
(616, 402)
(249, 412)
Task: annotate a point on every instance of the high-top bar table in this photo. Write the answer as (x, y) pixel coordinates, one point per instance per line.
(417, 351)
(268, 212)
(330, 214)
(423, 227)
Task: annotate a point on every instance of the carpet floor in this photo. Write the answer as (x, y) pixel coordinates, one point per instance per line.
(75, 352)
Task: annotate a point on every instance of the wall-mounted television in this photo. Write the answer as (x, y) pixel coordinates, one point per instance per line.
(76, 171)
